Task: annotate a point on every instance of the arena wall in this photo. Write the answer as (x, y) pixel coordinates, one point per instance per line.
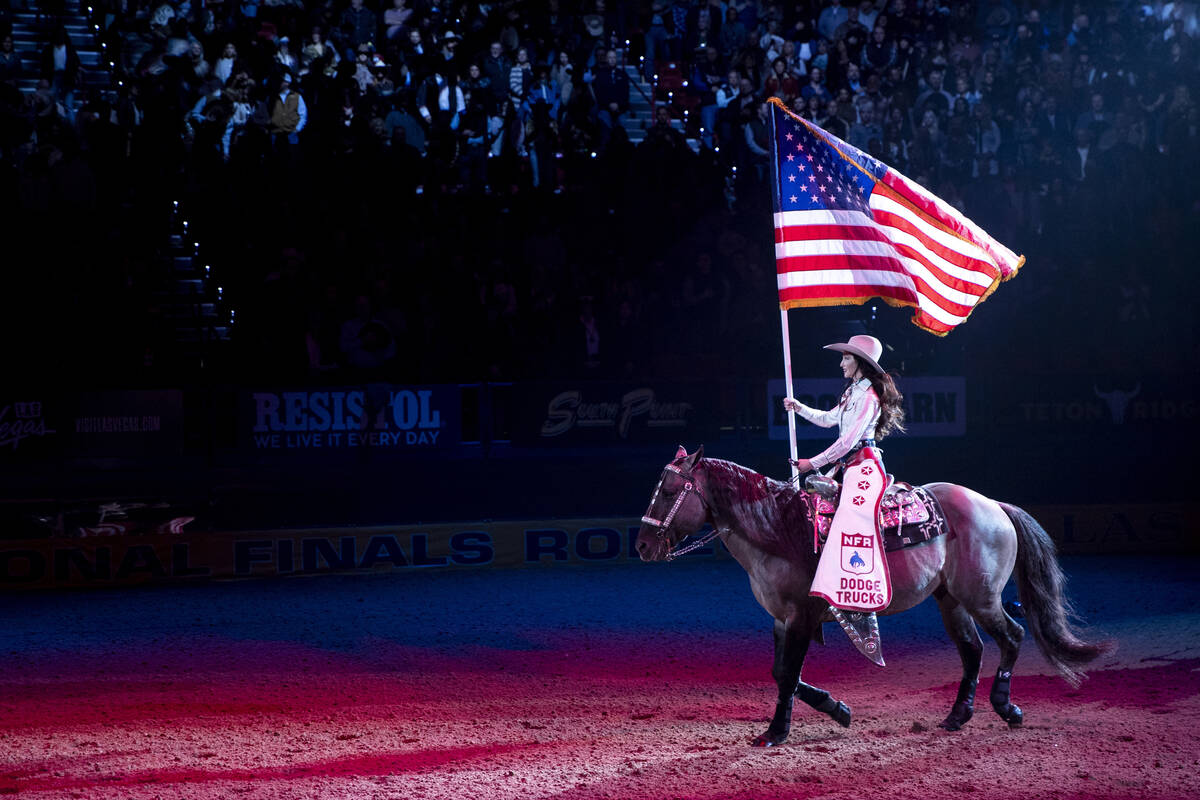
(104, 561)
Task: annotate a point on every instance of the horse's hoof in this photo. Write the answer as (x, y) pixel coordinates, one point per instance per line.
(1015, 717)
(769, 739)
(841, 714)
(959, 716)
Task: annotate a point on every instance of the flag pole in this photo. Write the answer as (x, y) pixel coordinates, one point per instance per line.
(787, 379)
(783, 314)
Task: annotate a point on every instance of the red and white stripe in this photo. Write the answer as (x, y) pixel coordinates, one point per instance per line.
(916, 251)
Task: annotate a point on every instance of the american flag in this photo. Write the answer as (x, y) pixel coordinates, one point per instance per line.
(849, 228)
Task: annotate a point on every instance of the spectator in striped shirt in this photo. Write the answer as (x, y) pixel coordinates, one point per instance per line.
(520, 77)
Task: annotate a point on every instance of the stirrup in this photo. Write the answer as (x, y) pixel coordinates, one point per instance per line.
(863, 629)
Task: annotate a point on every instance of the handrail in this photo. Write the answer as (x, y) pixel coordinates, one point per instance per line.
(649, 98)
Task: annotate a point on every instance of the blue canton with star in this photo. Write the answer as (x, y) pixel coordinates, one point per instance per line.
(813, 175)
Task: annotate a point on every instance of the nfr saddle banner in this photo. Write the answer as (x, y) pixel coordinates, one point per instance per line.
(853, 573)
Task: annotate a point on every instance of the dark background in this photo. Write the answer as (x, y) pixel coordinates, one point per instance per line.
(671, 250)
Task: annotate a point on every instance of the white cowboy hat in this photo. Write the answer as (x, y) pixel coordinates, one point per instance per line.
(865, 347)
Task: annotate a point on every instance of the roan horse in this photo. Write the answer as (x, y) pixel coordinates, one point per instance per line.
(764, 525)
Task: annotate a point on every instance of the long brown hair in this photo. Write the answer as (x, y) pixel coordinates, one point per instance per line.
(891, 408)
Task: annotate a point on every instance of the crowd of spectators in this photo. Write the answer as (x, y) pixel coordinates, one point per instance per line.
(429, 190)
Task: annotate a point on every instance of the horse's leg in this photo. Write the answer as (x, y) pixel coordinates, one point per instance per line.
(822, 701)
(978, 563)
(1008, 635)
(791, 646)
(965, 636)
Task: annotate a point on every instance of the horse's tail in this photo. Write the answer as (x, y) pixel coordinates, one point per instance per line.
(1040, 582)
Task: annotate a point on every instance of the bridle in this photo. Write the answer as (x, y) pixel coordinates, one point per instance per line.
(664, 525)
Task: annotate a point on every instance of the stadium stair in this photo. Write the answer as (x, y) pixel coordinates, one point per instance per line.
(31, 31)
(189, 302)
(640, 116)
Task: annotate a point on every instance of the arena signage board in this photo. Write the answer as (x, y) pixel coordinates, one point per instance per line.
(378, 417)
(30, 426)
(602, 412)
(1076, 401)
(116, 560)
(125, 424)
(100, 561)
(933, 406)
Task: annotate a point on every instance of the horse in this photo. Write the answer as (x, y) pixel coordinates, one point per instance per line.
(764, 524)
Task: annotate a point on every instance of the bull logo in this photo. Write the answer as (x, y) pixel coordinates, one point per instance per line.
(858, 553)
(1118, 401)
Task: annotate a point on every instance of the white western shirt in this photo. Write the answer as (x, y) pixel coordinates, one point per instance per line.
(856, 416)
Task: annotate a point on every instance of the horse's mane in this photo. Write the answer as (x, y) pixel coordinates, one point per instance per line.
(770, 513)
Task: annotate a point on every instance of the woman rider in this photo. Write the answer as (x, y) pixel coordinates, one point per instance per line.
(849, 576)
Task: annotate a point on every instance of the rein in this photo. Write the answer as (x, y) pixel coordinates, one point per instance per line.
(696, 545)
(663, 525)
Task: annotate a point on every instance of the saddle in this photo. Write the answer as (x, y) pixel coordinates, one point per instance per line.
(908, 515)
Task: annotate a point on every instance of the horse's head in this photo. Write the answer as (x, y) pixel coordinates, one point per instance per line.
(677, 508)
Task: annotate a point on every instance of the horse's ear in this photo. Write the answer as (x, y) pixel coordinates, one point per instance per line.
(680, 453)
(695, 457)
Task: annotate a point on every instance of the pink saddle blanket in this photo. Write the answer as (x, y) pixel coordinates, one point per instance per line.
(908, 515)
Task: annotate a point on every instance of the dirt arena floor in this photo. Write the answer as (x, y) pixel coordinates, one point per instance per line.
(632, 681)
